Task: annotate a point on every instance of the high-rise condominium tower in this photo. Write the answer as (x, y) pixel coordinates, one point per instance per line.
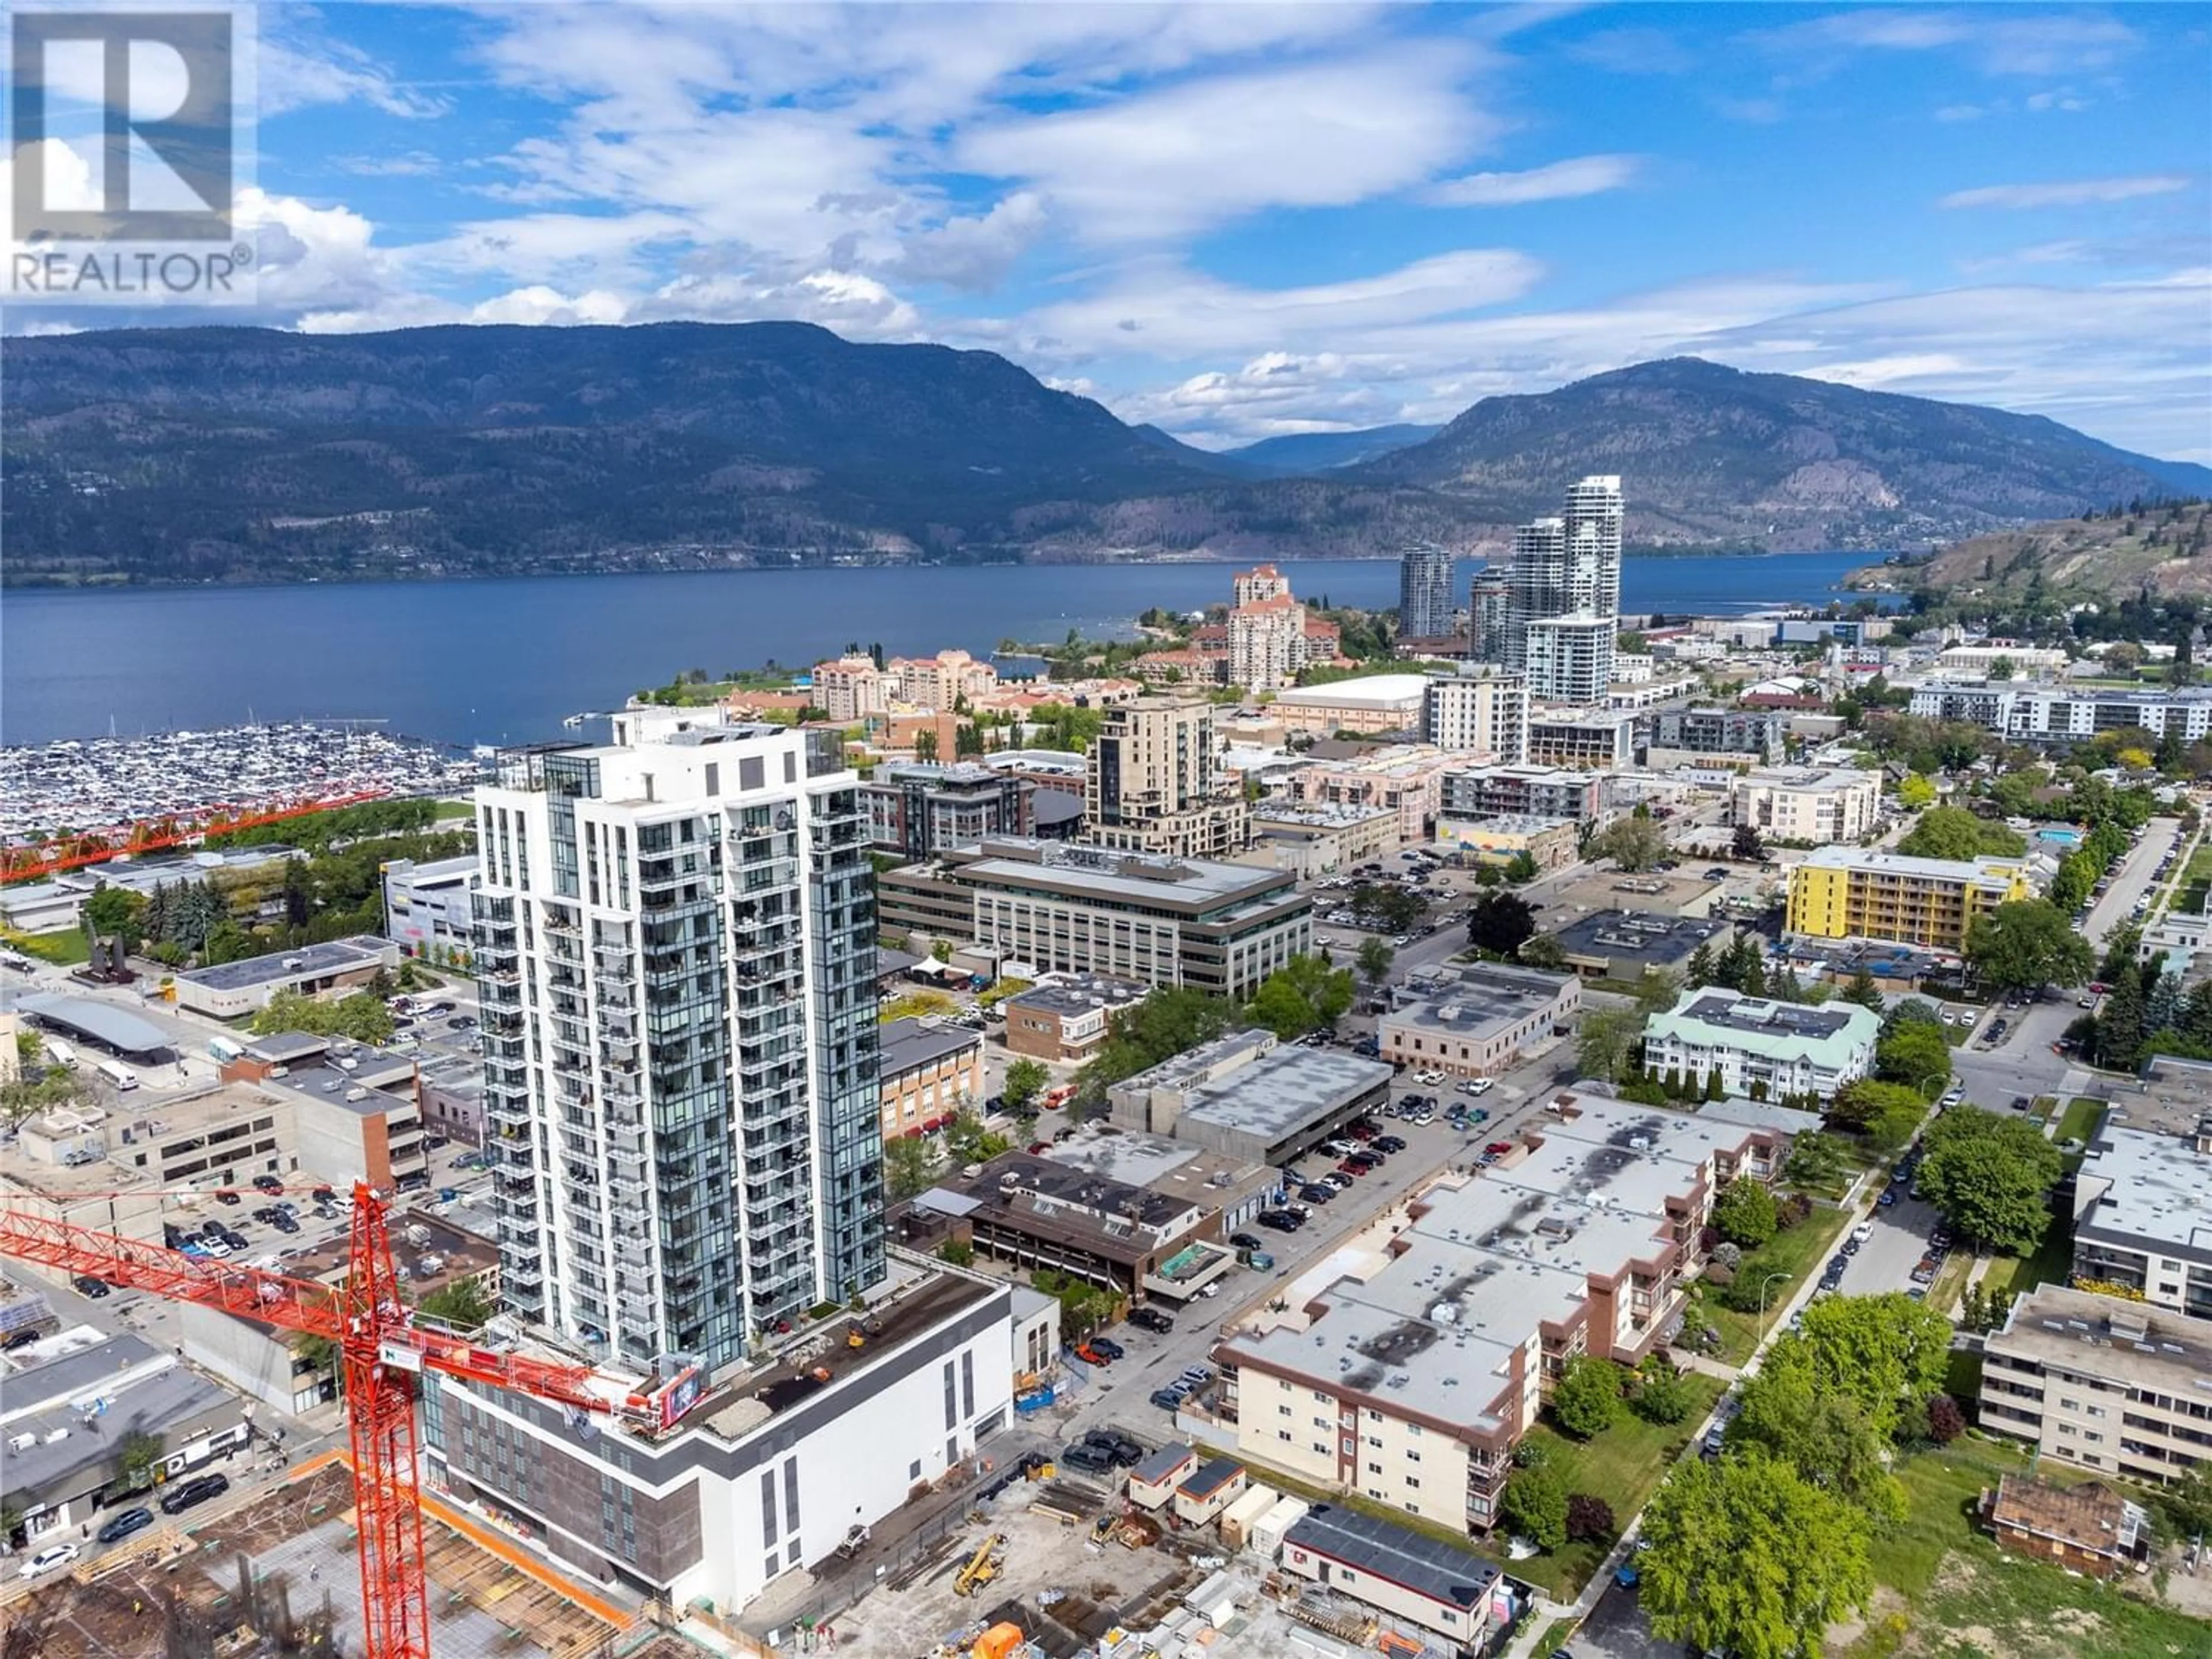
(1563, 596)
(1424, 593)
(675, 950)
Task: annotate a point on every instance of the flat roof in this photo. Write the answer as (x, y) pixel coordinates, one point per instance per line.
(1283, 1091)
(1901, 864)
(1076, 993)
(156, 1405)
(1760, 1025)
(1636, 935)
(1160, 1465)
(1476, 997)
(1080, 872)
(1369, 691)
(99, 1022)
(331, 956)
(1211, 1476)
(1427, 1566)
(908, 1044)
(2138, 1186)
(2104, 1336)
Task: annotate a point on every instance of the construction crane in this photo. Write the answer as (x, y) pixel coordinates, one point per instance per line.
(73, 849)
(383, 1348)
(982, 1567)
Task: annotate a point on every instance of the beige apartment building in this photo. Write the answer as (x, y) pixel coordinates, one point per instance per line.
(1820, 805)
(1406, 778)
(852, 688)
(1155, 783)
(940, 681)
(2102, 1383)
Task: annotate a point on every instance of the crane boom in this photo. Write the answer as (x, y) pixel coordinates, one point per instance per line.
(382, 1345)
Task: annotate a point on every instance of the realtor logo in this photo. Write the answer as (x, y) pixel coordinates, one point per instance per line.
(123, 133)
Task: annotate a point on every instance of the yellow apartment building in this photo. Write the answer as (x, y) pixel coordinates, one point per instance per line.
(1843, 892)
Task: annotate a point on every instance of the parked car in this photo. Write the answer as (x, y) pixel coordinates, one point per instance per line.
(1108, 1347)
(1482, 1085)
(1498, 1148)
(1317, 1193)
(1089, 1355)
(1152, 1319)
(1087, 1458)
(1388, 1144)
(225, 1196)
(269, 1183)
(125, 1524)
(88, 1285)
(54, 1555)
(1168, 1400)
(178, 1499)
(1245, 1241)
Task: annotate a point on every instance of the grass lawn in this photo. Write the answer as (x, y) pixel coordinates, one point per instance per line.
(1552, 1637)
(1795, 1252)
(65, 946)
(1622, 1466)
(449, 810)
(1962, 1596)
(2051, 1264)
(2080, 1117)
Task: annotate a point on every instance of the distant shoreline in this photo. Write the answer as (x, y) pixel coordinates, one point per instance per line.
(37, 584)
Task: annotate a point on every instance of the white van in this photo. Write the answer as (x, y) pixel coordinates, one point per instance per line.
(123, 1078)
(60, 1053)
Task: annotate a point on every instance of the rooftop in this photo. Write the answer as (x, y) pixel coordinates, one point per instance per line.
(2000, 871)
(1477, 997)
(1427, 1566)
(1280, 1093)
(909, 1044)
(1370, 691)
(1758, 1025)
(99, 1022)
(1076, 993)
(1637, 938)
(1112, 1218)
(336, 955)
(73, 1440)
(2056, 1325)
(2138, 1186)
(2091, 1514)
(1081, 870)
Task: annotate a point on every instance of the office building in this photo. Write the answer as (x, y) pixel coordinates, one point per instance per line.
(429, 908)
(1320, 840)
(917, 808)
(1066, 1017)
(1842, 892)
(1563, 597)
(233, 990)
(1426, 611)
(1408, 1362)
(2049, 714)
(1221, 927)
(1815, 804)
(2102, 1383)
(1489, 610)
(1743, 736)
(932, 1071)
(1155, 783)
(1475, 1020)
(1481, 710)
(1623, 947)
(2143, 1216)
(1764, 1050)
(676, 955)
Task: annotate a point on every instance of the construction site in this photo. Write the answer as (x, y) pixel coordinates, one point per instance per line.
(280, 1575)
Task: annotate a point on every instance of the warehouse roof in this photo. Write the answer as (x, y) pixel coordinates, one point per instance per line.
(119, 1027)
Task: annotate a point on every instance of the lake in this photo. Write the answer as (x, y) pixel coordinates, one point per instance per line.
(503, 661)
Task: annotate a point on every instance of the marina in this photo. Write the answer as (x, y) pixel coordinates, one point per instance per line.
(108, 786)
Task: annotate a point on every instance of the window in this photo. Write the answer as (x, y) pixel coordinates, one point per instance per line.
(1322, 1446)
(1414, 1481)
(1374, 1468)
(1282, 1411)
(1282, 1434)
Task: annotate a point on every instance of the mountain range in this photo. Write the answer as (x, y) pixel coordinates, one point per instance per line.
(248, 454)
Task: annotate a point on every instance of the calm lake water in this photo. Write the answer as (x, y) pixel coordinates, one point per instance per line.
(503, 661)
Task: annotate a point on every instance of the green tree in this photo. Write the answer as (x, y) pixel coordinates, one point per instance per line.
(1990, 1177)
(924, 745)
(2027, 944)
(1304, 995)
(1744, 1212)
(113, 912)
(1606, 1042)
(1634, 844)
(1745, 1556)
(1586, 1399)
(1534, 1505)
(1887, 1352)
(1374, 960)
(2186, 1502)
(1025, 1080)
(1700, 972)
(1521, 867)
(361, 1017)
(27, 1097)
(1815, 1160)
(1952, 832)
(1863, 991)
(1500, 922)
(1543, 951)
(911, 1164)
(1827, 1439)
(1746, 844)
(461, 1305)
(1661, 1395)
(1165, 1024)
(135, 1453)
(1886, 1114)
(967, 1141)
(1916, 1055)
(2121, 1025)
(1914, 792)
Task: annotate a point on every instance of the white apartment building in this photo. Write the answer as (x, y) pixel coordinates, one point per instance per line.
(1426, 611)
(1819, 804)
(430, 908)
(676, 955)
(2048, 713)
(1564, 596)
(1482, 710)
(1260, 582)
(1763, 1049)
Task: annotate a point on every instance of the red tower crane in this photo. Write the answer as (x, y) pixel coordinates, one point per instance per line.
(382, 1347)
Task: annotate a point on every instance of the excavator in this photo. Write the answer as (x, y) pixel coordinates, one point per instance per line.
(986, 1564)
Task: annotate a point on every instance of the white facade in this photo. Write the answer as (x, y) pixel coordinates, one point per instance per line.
(1801, 803)
(1564, 596)
(429, 908)
(676, 944)
(1484, 713)
(1426, 611)
(2031, 714)
(1764, 1050)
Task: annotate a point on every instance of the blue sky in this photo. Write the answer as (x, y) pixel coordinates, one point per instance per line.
(1241, 220)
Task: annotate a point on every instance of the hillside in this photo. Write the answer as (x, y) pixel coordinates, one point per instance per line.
(1305, 454)
(1713, 455)
(243, 454)
(198, 455)
(2165, 550)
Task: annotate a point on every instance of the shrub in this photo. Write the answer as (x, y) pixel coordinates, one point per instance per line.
(1945, 1422)
(1590, 1520)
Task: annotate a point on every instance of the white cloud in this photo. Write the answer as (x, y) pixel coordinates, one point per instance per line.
(2077, 192)
(291, 76)
(1585, 176)
(976, 253)
(2010, 41)
(1961, 112)
(1164, 164)
(409, 164)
